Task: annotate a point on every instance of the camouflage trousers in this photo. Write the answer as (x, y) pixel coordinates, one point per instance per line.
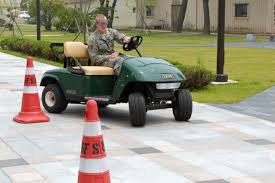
(115, 63)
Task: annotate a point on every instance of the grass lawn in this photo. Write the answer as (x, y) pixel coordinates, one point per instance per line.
(253, 68)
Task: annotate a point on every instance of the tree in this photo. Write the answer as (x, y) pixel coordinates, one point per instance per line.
(181, 16)
(49, 9)
(107, 10)
(206, 28)
(24, 5)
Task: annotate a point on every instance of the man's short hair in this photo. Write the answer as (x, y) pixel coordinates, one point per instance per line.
(100, 16)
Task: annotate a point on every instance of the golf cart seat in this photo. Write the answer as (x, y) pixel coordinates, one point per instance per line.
(78, 50)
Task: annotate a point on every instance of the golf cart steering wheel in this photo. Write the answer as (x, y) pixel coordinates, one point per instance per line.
(133, 44)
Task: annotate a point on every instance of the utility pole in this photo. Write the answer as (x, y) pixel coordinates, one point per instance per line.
(221, 77)
(38, 33)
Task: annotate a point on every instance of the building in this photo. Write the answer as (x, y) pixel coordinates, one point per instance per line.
(125, 12)
(242, 16)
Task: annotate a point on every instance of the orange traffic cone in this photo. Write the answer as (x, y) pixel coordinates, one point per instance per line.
(30, 108)
(93, 162)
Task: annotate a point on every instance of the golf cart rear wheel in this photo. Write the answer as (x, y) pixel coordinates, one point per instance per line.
(53, 99)
(182, 107)
(137, 108)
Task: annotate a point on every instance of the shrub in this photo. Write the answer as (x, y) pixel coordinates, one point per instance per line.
(57, 23)
(30, 47)
(2, 22)
(197, 76)
(9, 26)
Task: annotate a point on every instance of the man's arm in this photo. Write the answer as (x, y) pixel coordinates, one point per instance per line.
(94, 53)
(119, 37)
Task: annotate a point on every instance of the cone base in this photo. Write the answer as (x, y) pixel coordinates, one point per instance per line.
(94, 177)
(31, 117)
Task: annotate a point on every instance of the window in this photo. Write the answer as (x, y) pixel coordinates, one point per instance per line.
(149, 11)
(241, 10)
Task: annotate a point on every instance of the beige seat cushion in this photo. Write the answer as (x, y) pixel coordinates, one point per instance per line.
(97, 70)
(76, 50)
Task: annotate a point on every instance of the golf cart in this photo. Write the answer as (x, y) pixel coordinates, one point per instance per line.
(145, 83)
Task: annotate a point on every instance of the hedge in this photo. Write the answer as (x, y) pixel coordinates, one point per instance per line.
(197, 76)
(29, 47)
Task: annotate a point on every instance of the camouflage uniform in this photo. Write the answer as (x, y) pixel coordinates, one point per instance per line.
(101, 45)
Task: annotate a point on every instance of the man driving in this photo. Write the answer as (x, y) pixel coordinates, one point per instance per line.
(101, 45)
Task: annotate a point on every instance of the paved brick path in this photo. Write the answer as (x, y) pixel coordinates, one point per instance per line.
(216, 146)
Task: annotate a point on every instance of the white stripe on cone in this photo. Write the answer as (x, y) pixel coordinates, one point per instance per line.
(29, 71)
(92, 129)
(30, 89)
(93, 165)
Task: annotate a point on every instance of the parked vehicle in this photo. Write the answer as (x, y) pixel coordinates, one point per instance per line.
(24, 14)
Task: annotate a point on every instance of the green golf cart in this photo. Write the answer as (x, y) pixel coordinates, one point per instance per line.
(145, 83)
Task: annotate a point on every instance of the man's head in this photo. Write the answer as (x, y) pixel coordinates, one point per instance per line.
(101, 23)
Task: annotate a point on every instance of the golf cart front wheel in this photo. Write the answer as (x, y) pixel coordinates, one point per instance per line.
(137, 108)
(102, 104)
(53, 99)
(182, 106)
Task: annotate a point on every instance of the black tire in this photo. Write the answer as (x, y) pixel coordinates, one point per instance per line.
(137, 109)
(102, 105)
(53, 99)
(182, 107)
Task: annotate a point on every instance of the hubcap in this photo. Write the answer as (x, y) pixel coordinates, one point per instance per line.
(50, 98)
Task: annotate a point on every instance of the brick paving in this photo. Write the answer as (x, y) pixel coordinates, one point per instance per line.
(217, 145)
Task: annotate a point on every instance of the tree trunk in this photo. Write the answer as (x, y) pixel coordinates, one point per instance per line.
(181, 16)
(101, 3)
(106, 10)
(206, 29)
(48, 24)
(111, 19)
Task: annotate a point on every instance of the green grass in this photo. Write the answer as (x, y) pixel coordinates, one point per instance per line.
(253, 68)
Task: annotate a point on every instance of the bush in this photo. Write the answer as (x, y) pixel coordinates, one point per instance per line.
(31, 20)
(57, 23)
(9, 26)
(30, 47)
(2, 22)
(197, 76)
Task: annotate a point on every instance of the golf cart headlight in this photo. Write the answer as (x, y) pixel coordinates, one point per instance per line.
(167, 86)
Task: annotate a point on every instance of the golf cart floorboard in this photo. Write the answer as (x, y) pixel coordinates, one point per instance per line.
(99, 98)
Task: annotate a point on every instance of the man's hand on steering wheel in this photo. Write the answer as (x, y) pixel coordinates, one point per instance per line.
(126, 39)
(133, 43)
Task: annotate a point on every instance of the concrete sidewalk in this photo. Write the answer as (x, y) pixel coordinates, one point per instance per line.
(261, 105)
(216, 146)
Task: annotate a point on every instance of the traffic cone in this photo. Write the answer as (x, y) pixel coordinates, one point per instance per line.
(93, 162)
(30, 108)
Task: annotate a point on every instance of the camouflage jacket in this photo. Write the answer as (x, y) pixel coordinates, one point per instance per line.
(101, 45)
